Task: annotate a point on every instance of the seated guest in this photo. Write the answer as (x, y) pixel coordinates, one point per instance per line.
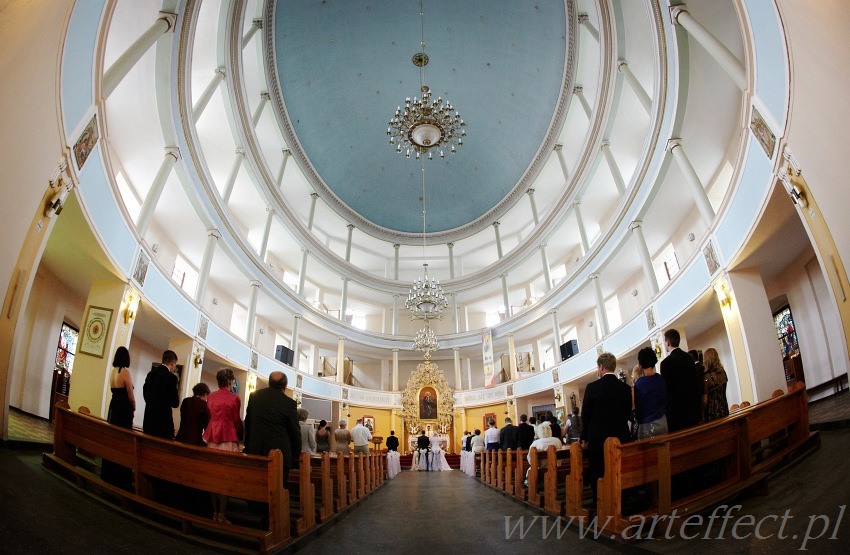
(542, 445)
(526, 432)
(508, 436)
(308, 438)
(323, 437)
(342, 437)
(491, 436)
(714, 396)
(194, 416)
(650, 397)
(478, 443)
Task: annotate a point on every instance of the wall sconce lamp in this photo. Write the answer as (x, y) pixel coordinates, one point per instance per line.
(131, 305)
(198, 360)
(798, 196)
(724, 295)
(558, 397)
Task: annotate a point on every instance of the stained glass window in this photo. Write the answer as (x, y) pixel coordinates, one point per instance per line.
(786, 332)
(67, 347)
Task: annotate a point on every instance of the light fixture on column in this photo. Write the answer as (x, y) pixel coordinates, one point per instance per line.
(425, 124)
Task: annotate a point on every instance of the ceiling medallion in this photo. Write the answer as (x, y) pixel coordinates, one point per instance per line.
(425, 124)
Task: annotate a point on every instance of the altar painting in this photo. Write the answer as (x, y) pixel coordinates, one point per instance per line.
(427, 403)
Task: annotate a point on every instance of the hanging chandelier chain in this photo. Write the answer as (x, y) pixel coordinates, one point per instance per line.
(421, 43)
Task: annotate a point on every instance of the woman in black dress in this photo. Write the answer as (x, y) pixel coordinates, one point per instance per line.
(121, 409)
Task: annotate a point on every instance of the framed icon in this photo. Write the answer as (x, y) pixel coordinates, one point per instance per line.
(95, 331)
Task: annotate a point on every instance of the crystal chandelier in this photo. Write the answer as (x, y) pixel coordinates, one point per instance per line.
(426, 299)
(425, 340)
(425, 125)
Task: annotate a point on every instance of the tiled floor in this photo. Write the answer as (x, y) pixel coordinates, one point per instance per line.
(24, 427)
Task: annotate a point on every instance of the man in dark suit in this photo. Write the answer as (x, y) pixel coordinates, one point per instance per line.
(508, 436)
(271, 422)
(160, 392)
(526, 432)
(684, 385)
(423, 445)
(392, 442)
(605, 413)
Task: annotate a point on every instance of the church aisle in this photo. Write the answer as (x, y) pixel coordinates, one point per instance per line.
(444, 513)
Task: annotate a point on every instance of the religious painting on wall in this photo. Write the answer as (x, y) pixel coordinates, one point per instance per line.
(427, 403)
(95, 330)
(85, 144)
(762, 133)
(487, 418)
(369, 422)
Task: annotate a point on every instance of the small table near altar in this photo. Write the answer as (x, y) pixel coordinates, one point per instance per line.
(377, 441)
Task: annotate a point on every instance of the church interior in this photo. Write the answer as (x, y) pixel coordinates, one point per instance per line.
(219, 178)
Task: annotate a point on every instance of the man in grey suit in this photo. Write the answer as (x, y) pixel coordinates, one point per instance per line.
(271, 422)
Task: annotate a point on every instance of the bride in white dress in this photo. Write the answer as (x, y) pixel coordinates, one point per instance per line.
(437, 455)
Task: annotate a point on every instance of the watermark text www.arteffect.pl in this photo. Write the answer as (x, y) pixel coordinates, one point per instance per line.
(725, 522)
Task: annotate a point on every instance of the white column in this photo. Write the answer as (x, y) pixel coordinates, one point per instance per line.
(279, 178)
(714, 47)
(700, 197)
(451, 247)
(512, 357)
(172, 154)
(206, 263)
(585, 244)
(505, 298)
(313, 198)
(294, 345)
(395, 369)
(340, 359)
(252, 312)
(615, 169)
(498, 239)
(231, 176)
(600, 305)
(455, 319)
(578, 90)
(559, 152)
(458, 379)
(125, 62)
(556, 330)
(344, 302)
(583, 19)
(207, 95)
(642, 97)
(302, 274)
(395, 314)
(348, 242)
(264, 99)
(645, 259)
(256, 25)
(264, 245)
(547, 275)
(530, 193)
(395, 260)
(469, 373)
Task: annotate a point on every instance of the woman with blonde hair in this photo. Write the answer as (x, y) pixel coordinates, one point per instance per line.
(714, 396)
(342, 438)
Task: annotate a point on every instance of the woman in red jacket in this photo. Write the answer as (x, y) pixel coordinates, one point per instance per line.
(225, 428)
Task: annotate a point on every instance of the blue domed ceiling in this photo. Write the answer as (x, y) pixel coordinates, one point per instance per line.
(345, 65)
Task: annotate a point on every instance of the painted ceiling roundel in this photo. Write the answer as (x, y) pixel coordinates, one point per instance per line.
(343, 66)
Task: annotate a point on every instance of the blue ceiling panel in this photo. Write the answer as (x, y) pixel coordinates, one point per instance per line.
(345, 65)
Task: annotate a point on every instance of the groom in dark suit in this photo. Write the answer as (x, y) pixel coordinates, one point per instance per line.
(160, 392)
(684, 385)
(271, 422)
(605, 413)
(424, 444)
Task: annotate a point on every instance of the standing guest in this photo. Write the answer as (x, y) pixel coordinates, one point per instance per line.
(650, 397)
(361, 436)
(194, 416)
(323, 437)
(478, 444)
(573, 431)
(392, 442)
(468, 443)
(605, 413)
(160, 392)
(555, 425)
(342, 437)
(122, 405)
(716, 405)
(534, 424)
(308, 436)
(508, 436)
(423, 448)
(464, 440)
(224, 429)
(491, 436)
(526, 432)
(684, 385)
(272, 423)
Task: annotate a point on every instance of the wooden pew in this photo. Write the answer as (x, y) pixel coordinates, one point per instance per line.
(555, 479)
(485, 465)
(507, 483)
(302, 500)
(499, 482)
(340, 482)
(575, 482)
(479, 465)
(492, 472)
(260, 479)
(533, 477)
(360, 475)
(737, 452)
(520, 467)
(320, 476)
